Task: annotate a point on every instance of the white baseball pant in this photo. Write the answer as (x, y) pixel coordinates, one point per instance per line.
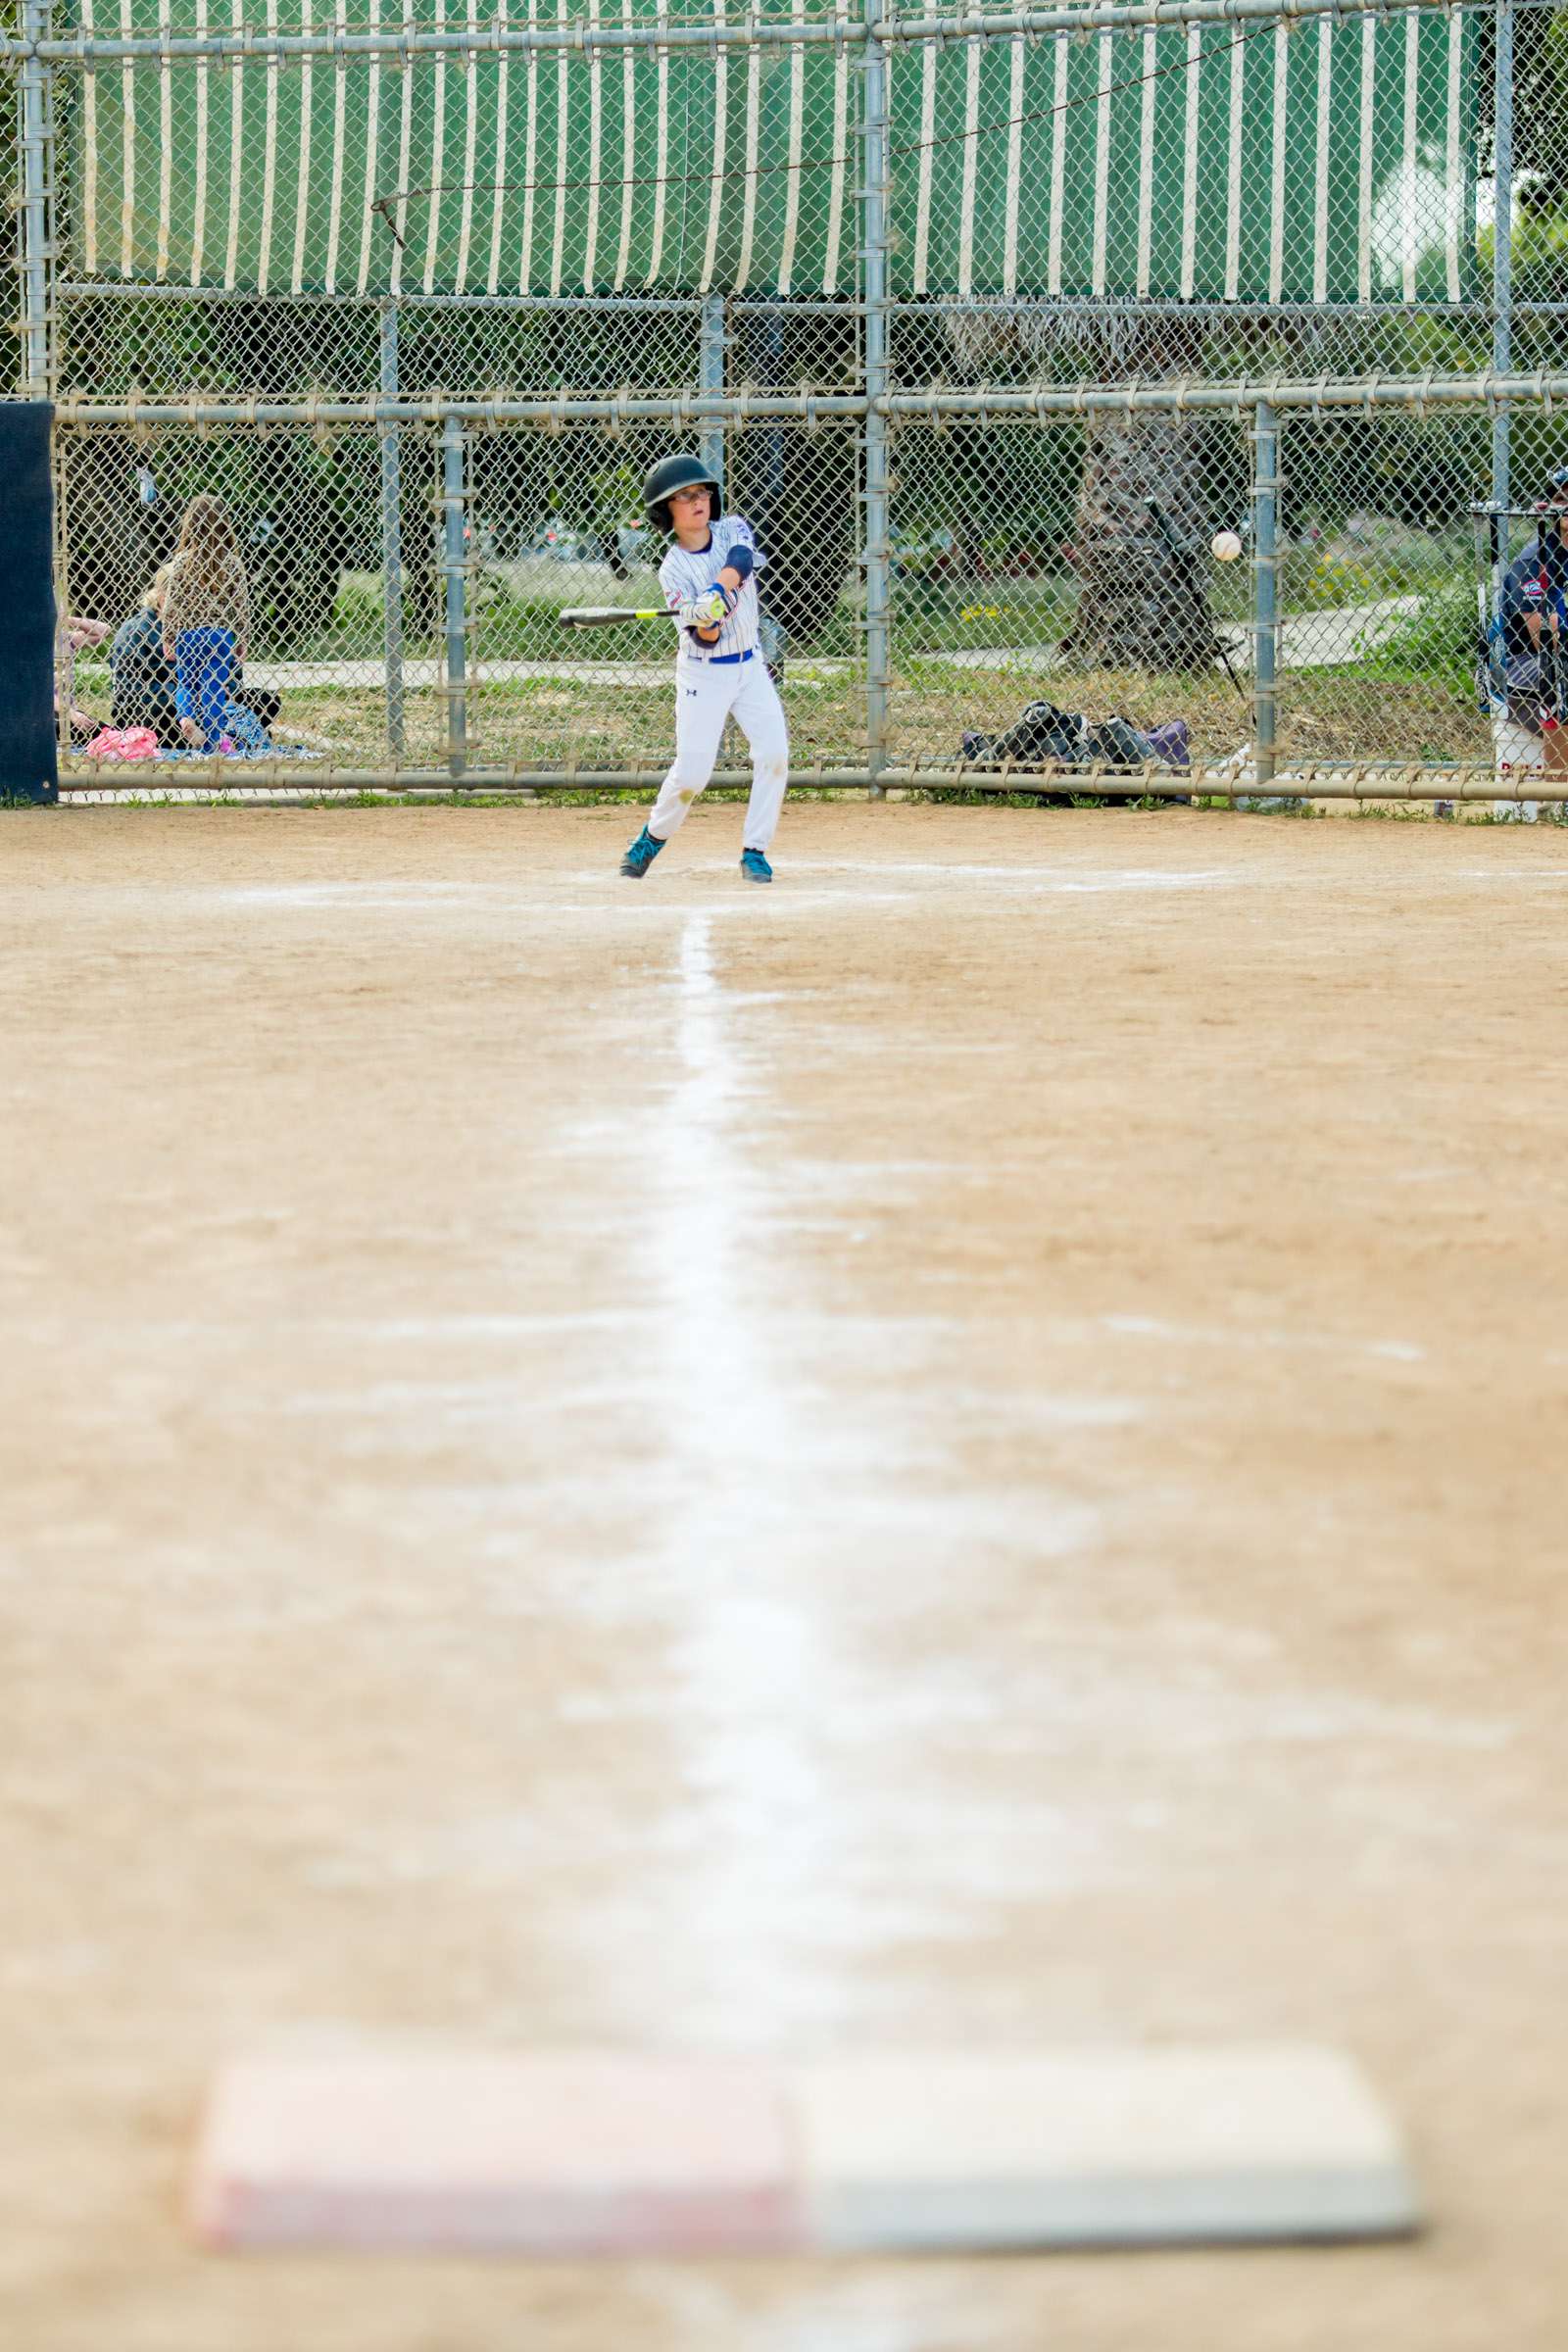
(706, 693)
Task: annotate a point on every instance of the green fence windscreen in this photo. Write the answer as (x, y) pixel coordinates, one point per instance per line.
(1328, 162)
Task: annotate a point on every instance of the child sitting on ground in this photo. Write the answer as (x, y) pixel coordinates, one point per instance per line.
(206, 620)
(144, 682)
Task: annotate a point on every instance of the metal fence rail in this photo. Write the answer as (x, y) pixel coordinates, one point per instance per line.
(750, 29)
(999, 323)
(1415, 395)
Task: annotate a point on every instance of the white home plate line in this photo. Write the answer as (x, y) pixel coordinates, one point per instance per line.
(768, 1519)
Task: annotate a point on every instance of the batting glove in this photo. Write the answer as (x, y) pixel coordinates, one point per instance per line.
(708, 611)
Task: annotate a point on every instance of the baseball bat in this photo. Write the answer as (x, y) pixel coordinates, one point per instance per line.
(604, 617)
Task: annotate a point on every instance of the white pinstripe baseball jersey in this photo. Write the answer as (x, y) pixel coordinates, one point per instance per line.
(686, 573)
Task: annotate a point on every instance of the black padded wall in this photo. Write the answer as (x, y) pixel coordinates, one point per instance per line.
(27, 762)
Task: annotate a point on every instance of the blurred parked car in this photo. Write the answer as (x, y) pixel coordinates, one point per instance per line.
(556, 542)
(622, 545)
(922, 556)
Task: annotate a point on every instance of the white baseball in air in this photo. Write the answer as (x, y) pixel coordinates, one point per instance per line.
(1226, 546)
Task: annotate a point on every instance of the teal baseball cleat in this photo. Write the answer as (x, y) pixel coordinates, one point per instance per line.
(640, 856)
(754, 866)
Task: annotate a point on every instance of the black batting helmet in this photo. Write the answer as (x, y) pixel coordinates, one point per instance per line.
(678, 473)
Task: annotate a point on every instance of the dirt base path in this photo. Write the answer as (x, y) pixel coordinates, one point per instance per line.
(970, 1447)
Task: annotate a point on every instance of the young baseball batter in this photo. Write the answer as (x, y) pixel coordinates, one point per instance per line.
(709, 583)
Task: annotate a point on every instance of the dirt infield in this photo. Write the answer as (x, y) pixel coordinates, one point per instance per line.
(970, 1447)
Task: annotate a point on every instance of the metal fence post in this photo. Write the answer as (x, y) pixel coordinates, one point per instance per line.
(1501, 241)
(1265, 590)
(874, 441)
(33, 132)
(392, 542)
(455, 566)
(710, 343)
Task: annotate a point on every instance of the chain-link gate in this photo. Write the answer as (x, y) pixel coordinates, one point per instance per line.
(1143, 368)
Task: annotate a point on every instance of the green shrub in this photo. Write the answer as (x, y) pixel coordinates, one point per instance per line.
(1436, 644)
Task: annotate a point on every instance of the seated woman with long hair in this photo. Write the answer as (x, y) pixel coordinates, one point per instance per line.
(144, 681)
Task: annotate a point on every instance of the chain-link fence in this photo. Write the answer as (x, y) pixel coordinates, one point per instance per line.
(1145, 368)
